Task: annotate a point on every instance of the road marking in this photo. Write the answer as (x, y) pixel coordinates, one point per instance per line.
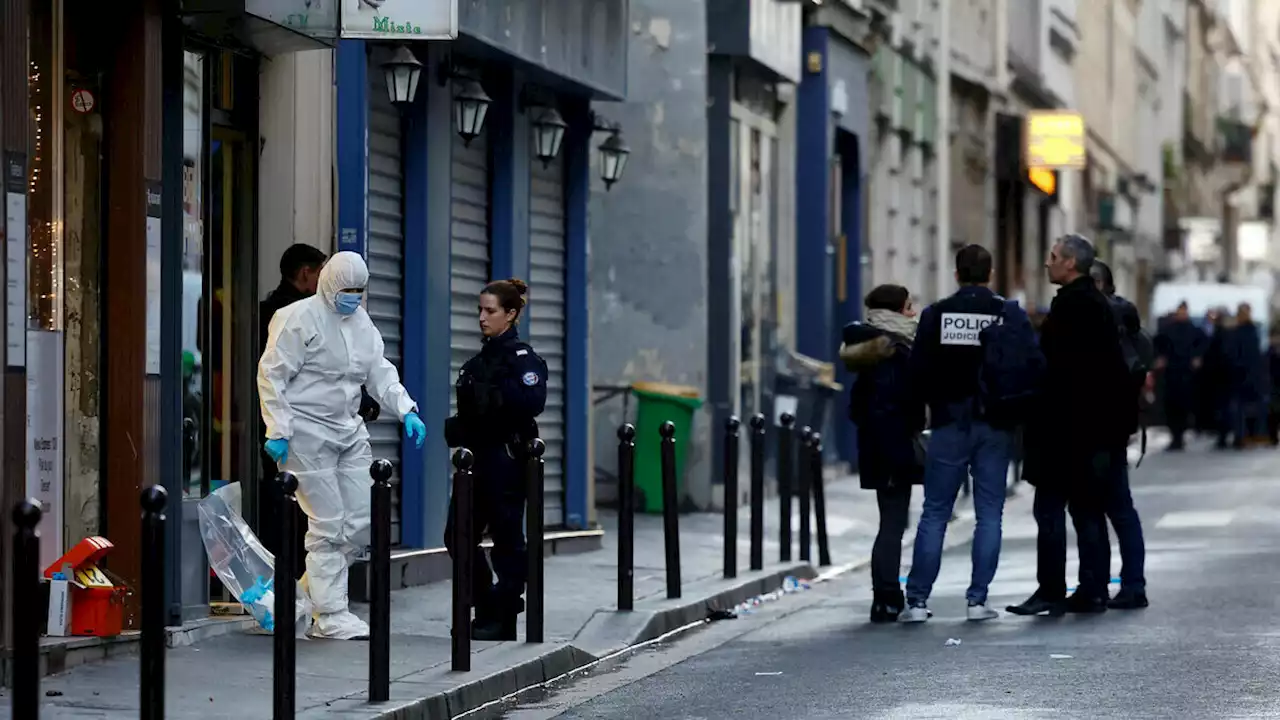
(768, 674)
(1196, 519)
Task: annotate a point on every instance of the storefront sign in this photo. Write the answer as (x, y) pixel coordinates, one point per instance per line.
(316, 18)
(153, 278)
(15, 298)
(400, 19)
(1055, 139)
(44, 436)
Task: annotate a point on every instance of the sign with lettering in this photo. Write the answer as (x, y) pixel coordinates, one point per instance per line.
(1055, 140)
(964, 328)
(44, 436)
(154, 197)
(400, 19)
(315, 18)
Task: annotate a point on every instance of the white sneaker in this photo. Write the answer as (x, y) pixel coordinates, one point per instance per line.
(914, 614)
(982, 612)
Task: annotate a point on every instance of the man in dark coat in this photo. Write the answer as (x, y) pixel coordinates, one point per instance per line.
(299, 272)
(1079, 435)
(1247, 379)
(1180, 348)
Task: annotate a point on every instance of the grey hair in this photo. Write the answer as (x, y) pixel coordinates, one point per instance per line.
(1076, 247)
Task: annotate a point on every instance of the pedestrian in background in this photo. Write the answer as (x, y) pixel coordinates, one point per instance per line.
(1121, 512)
(889, 423)
(950, 372)
(1078, 436)
(1215, 376)
(1273, 394)
(1180, 348)
(500, 393)
(1247, 381)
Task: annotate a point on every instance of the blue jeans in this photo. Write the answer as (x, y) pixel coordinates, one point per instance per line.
(1124, 519)
(954, 453)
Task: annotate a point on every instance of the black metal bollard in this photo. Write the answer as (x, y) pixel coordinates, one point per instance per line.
(464, 543)
(154, 501)
(806, 493)
(380, 584)
(534, 595)
(670, 508)
(626, 516)
(819, 499)
(786, 484)
(284, 676)
(25, 616)
(757, 492)
(731, 443)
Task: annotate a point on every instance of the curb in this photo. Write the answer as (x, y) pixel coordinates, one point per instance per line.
(606, 633)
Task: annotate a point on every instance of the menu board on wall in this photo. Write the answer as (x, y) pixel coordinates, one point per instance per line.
(15, 299)
(153, 278)
(44, 437)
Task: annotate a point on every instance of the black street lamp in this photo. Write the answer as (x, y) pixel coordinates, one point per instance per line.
(613, 158)
(470, 106)
(548, 133)
(402, 73)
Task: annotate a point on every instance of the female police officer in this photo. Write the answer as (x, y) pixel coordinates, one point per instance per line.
(500, 391)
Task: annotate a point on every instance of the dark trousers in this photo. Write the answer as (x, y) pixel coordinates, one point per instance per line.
(498, 508)
(1086, 496)
(1124, 519)
(1177, 410)
(886, 553)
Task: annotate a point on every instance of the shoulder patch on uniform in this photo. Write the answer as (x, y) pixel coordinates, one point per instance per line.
(530, 379)
(521, 352)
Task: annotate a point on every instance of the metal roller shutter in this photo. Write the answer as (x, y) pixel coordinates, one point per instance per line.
(385, 255)
(469, 250)
(546, 317)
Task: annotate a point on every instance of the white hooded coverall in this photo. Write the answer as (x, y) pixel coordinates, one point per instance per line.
(309, 382)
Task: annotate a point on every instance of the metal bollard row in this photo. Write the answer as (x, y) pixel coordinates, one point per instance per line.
(757, 491)
(819, 498)
(806, 493)
(786, 484)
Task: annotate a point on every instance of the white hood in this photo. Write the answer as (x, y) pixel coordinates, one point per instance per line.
(344, 270)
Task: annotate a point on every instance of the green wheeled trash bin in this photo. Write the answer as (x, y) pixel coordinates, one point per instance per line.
(657, 403)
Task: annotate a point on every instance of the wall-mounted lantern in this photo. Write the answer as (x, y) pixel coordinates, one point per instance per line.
(613, 151)
(470, 102)
(548, 133)
(402, 73)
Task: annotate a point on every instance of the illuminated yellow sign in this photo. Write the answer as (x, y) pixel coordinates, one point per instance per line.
(1043, 179)
(1055, 139)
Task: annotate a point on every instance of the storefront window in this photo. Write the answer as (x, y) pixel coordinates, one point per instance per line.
(44, 286)
(193, 307)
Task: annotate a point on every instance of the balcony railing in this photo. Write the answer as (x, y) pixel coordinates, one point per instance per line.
(1235, 141)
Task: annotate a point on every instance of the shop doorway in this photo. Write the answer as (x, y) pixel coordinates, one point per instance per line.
(219, 301)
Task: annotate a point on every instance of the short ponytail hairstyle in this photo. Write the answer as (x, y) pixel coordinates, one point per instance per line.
(512, 294)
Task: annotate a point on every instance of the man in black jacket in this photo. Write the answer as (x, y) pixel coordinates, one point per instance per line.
(299, 272)
(1080, 435)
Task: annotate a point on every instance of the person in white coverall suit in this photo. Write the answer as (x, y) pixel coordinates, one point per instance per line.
(319, 352)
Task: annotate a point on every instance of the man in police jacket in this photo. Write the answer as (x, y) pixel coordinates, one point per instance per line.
(946, 363)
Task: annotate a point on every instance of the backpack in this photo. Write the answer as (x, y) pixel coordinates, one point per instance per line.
(1139, 359)
(1012, 369)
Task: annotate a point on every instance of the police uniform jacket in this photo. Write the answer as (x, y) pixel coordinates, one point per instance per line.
(947, 357)
(500, 392)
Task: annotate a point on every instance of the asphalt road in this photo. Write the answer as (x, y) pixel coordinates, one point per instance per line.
(1208, 647)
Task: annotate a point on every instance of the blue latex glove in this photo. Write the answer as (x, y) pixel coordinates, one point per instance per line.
(278, 449)
(414, 428)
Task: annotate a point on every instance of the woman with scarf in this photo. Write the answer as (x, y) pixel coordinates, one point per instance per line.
(890, 453)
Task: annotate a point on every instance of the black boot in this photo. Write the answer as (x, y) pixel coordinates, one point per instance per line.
(886, 606)
(499, 624)
(1083, 604)
(1128, 599)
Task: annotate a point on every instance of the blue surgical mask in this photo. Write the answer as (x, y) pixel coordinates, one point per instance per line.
(347, 303)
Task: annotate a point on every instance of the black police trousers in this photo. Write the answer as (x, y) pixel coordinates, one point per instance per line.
(497, 508)
(1086, 496)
